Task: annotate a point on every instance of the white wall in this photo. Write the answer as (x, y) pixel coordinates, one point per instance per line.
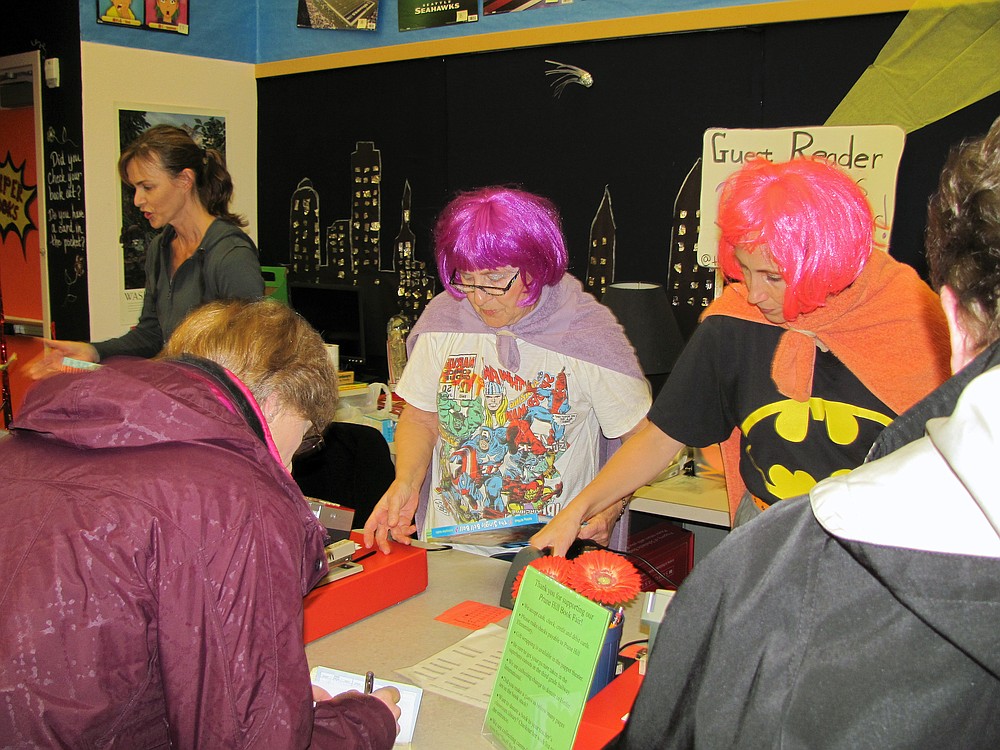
(121, 77)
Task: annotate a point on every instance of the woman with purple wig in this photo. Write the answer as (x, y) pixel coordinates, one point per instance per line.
(517, 384)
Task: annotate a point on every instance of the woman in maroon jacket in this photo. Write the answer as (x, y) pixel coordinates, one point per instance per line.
(156, 549)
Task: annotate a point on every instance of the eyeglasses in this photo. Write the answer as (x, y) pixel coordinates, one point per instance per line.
(493, 291)
(312, 443)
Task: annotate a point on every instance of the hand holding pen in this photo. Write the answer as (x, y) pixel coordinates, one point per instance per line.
(389, 695)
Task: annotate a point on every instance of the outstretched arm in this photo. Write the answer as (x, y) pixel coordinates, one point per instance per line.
(50, 361)
(416, 435)
(600, 526)
(636, 463)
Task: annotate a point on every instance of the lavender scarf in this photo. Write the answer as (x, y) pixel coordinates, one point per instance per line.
(566, 320)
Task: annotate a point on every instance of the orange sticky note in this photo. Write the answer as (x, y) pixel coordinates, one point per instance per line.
(472, 615)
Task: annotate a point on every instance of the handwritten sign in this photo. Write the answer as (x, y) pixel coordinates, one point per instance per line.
(869, 153)
(553, 643)
(64, 182)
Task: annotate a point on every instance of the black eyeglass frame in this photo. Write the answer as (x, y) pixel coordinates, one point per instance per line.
(493, 291)
(312, 443)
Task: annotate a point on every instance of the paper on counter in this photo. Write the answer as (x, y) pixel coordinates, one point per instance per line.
(473, 615)
(336, 681)
(465, 671)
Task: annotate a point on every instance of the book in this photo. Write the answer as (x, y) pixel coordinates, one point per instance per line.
(336, 681)
(77, 365)
(353, 387)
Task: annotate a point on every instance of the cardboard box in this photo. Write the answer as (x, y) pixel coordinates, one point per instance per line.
(668, 547)
(386, 580)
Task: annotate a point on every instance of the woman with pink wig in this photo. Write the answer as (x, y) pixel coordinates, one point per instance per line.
(815, 345)
(518, 385)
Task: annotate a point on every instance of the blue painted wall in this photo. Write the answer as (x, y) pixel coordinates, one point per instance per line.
(265, 31)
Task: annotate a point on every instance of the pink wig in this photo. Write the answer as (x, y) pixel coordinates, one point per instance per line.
(494, 227)
(806, 214)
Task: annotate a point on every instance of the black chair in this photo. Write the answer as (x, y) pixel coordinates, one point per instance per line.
(353, 467)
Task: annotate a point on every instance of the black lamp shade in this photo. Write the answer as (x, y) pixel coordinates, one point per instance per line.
(644, 312)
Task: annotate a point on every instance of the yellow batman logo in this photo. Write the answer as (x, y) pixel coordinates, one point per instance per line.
(791, 423)
(784, 484)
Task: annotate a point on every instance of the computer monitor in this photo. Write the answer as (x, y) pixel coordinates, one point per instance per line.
(337, 313)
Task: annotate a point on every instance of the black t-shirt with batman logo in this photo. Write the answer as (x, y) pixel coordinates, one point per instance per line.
(723, 380)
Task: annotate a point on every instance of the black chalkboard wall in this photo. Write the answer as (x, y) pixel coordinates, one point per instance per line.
(458, 122)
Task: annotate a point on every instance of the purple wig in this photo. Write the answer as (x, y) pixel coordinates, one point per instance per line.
(494, 227)
(806, 214)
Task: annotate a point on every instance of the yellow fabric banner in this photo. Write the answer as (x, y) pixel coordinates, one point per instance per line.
(943, 57)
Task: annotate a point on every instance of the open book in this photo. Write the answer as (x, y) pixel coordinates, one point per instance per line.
(334, 681)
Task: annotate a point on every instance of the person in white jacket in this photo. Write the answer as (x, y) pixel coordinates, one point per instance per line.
(865, 614)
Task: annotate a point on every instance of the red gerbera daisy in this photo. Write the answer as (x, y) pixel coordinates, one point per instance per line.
(558, 568)
(605, 578)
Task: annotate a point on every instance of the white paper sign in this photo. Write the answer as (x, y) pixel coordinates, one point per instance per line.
(869, 153)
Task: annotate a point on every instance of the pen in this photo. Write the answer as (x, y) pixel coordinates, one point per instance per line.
(617, 618)
(369, 681)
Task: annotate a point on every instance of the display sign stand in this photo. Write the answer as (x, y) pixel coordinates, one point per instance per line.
(554, 640)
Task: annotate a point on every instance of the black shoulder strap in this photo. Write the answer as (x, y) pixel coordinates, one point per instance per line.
(237, 396)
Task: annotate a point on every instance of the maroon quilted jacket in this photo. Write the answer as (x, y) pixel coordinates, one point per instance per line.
(153, 559)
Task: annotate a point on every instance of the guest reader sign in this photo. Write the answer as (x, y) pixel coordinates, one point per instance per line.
(553, 642)
(869, 153)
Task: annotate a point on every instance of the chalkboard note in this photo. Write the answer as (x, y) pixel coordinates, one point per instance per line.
(66, 231)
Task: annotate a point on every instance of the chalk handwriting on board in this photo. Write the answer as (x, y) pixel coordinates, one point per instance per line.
(65, 223)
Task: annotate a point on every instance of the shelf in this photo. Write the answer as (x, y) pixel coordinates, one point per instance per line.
(701, 499)
(23, 327)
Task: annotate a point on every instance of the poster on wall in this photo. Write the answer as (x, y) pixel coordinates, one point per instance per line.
(119, 12)
(20, 257)
(159, 15)
(338, 14)
(428, 14)
(209, 131)
(167, 15)
(869, 153)
(492, 7)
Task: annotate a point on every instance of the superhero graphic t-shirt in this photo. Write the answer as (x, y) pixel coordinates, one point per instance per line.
(513, 447)
(723, 380)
